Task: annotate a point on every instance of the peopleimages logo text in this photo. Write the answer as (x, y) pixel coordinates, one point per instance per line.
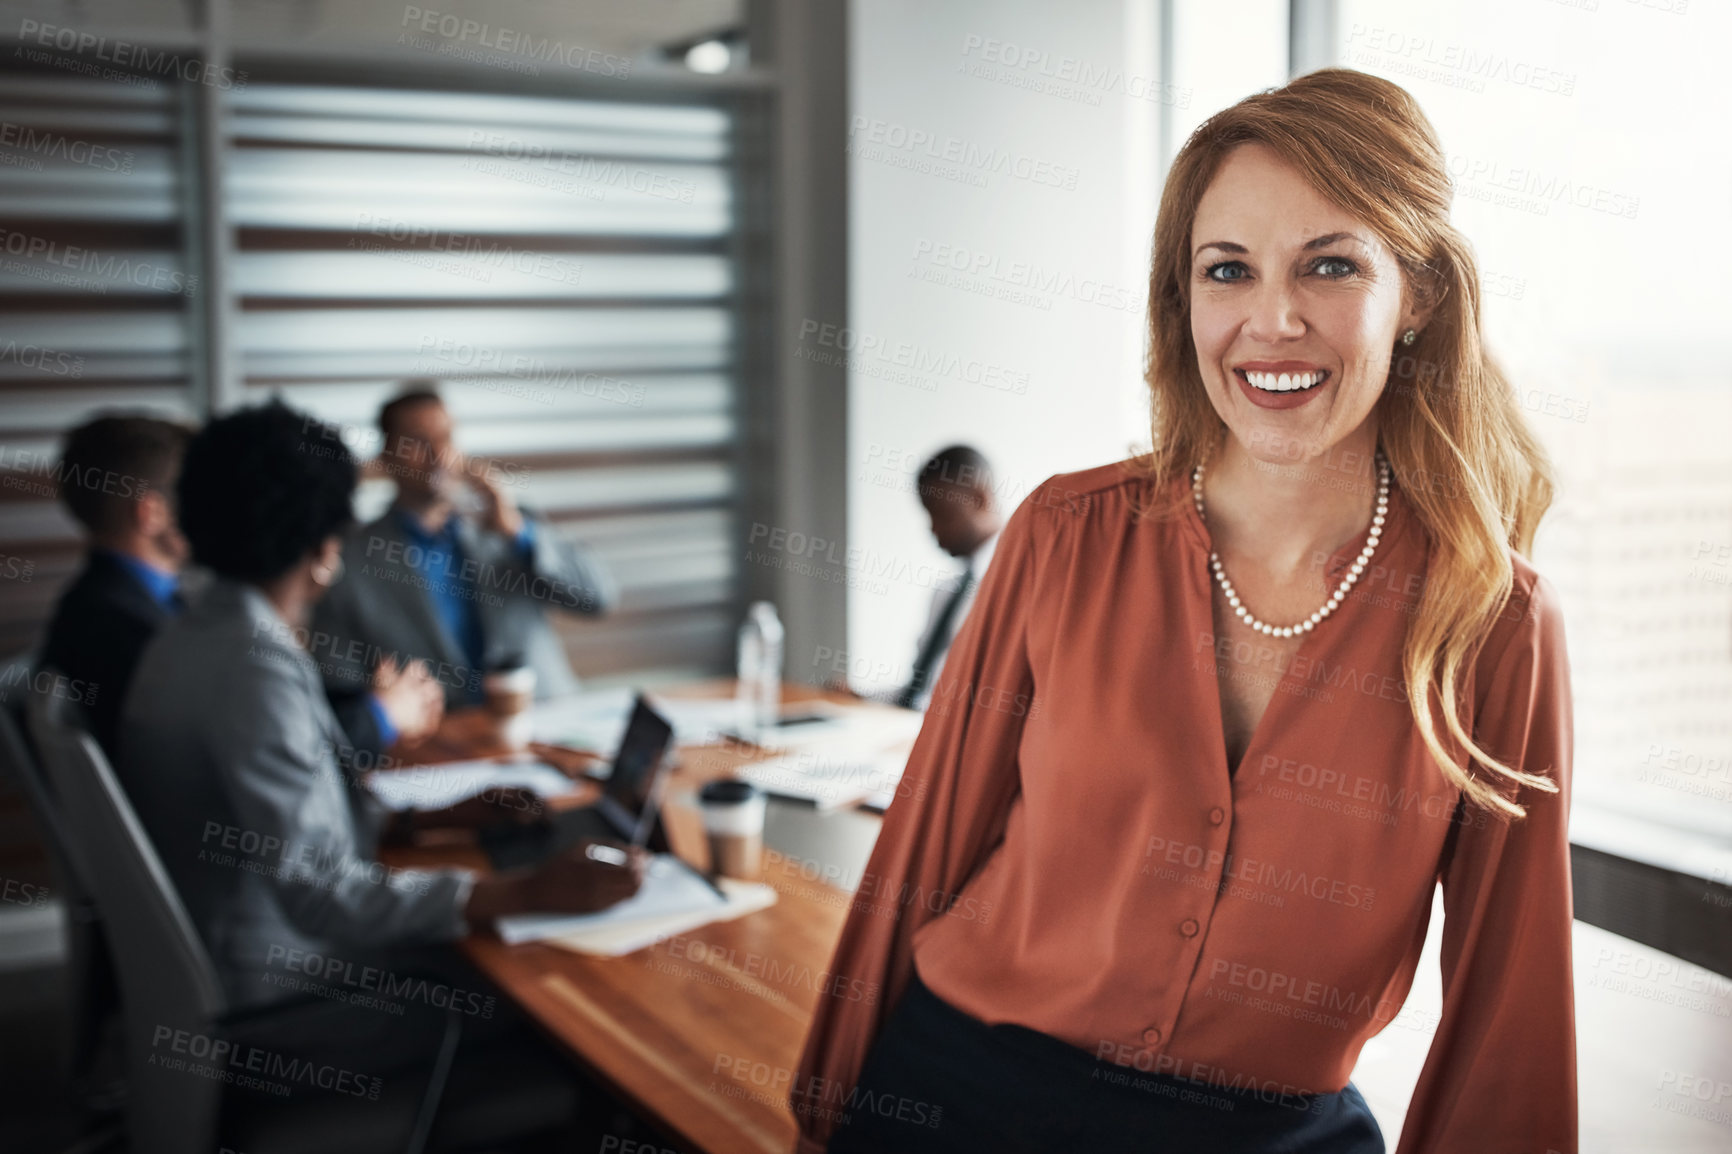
(125, 54)
(514, 42)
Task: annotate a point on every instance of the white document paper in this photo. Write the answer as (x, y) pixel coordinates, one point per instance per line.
(594, 720)
(827, 780)
(699, 720)
(857, 729)
(857, 754)
(439, 786)
(626, 937)
(670, 887)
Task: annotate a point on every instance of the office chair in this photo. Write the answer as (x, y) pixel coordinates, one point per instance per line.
(15, 671)
(168, 983)
(90, 973)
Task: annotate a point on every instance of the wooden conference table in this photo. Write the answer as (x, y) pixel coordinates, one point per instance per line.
(701, 1033)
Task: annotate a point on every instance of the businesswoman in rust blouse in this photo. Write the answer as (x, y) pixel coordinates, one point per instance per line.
(1223, 718)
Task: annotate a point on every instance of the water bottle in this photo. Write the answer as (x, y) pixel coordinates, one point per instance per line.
(759, 695)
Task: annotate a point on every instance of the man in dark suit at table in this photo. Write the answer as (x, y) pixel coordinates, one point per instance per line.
(957, 492)
(117, 476)
(455, 573)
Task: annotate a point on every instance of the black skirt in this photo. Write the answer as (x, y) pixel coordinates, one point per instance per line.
(939, 1080)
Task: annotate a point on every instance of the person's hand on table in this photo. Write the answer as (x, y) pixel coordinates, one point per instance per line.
(576, 882)
(493, 807)
(411, 698)
(572, 883)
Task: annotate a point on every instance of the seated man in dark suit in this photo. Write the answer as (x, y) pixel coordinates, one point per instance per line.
(117, 478)
(956, 489)
(455, 573)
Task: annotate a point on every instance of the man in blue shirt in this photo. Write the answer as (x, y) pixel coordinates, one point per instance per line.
(455, 573)
(117, 479)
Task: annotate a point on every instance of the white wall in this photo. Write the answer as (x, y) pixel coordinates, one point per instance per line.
(1017, 140)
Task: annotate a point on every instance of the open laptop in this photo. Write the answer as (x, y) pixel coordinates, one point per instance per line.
(628, 811)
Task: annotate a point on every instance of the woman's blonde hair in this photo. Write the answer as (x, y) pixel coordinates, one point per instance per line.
(1448, 421)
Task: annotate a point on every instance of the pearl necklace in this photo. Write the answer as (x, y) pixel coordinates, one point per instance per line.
(1341, 591)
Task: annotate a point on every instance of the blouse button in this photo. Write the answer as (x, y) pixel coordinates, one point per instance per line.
(1189, 927)
(1217, 816)
(1151, 1037)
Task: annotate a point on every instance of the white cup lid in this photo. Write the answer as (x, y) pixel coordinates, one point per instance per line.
(519, 680)
(741, 818)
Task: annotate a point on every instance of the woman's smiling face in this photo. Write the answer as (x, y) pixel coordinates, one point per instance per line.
(1295, 309)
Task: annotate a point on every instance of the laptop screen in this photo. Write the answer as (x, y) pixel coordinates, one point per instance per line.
(637, 770)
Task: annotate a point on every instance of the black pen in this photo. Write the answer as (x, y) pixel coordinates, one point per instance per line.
(607, 854)
(709, 880)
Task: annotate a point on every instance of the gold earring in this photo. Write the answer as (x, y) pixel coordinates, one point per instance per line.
(1408, 337)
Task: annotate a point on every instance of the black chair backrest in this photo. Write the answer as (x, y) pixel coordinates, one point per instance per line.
(18, 762)
(172, 998)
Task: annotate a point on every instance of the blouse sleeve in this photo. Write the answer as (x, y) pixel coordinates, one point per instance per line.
(1501, 1073)
(949, 813)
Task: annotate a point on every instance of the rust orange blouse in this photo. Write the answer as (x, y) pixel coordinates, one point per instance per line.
(1081, 862)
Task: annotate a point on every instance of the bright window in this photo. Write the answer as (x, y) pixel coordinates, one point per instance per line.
(1593, 171)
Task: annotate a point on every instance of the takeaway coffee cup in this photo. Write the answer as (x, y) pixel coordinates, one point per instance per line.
(509, 694)
(734, 819)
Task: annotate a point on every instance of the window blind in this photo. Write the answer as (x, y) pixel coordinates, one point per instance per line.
(95, 299)
(562, 268)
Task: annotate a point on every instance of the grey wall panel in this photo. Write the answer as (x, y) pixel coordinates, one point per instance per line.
(87, 151)
(647, 130)
(565, 270)
(586, 332)
(490, 406)
(395, 196)
(36, 264)
(491, 272)
(95, 296)
(562, 269)
(63, 190)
